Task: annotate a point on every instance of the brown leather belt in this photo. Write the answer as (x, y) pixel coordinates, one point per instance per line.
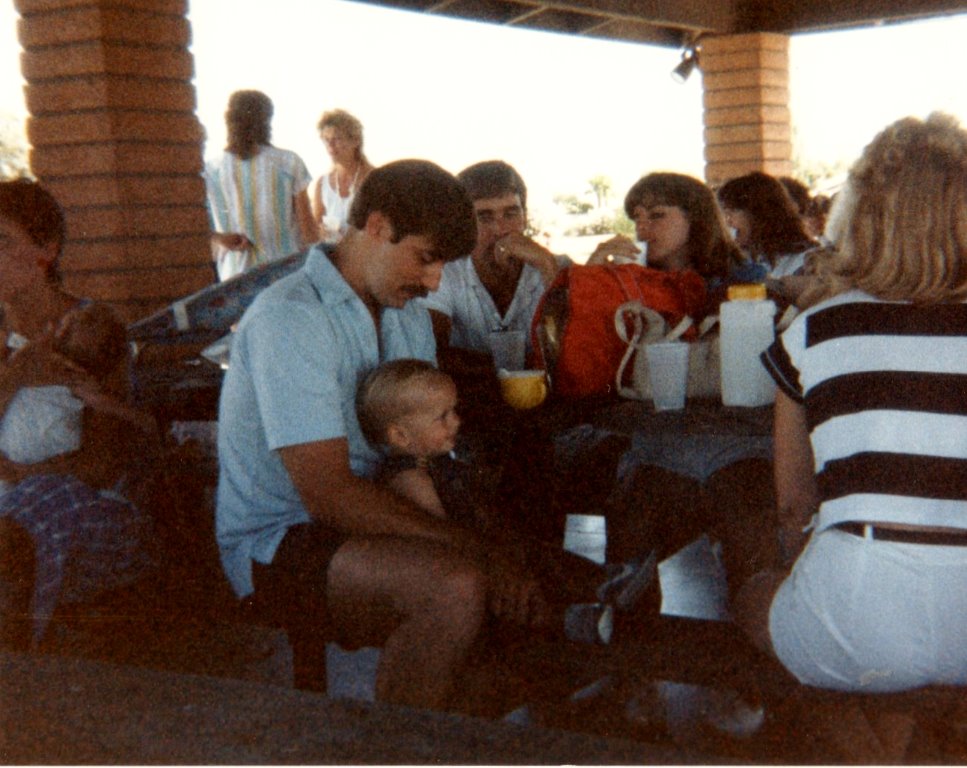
(938, 538)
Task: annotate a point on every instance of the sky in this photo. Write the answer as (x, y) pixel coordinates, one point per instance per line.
(561, 109)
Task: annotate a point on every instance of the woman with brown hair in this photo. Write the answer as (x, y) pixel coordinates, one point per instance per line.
(256, 192)
(767, 227)
(677, 218)
(665, 498)
(68, 529)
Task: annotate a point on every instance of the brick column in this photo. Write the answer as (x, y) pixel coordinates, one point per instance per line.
(747, 121)
(114, 136)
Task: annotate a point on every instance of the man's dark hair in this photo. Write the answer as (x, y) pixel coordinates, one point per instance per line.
(248, 120)
(493, 178)
(32, 208)
(421, 199)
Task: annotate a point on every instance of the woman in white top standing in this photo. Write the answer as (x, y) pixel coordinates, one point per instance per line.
(257, 193)
(332, 194)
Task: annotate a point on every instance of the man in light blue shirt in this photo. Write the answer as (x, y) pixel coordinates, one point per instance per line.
(297, 517)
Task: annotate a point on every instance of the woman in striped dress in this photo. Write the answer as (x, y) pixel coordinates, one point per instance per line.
(257, 193)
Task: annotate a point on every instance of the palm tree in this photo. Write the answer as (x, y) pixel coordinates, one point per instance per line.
(601, 187)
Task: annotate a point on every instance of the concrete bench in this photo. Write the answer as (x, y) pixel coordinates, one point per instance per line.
(60, 710)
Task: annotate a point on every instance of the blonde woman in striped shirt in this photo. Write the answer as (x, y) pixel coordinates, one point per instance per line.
(871, 433)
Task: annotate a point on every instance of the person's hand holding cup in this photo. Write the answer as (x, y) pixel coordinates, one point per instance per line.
(619, 249)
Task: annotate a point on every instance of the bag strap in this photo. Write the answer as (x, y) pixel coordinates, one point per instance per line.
(634, 342)
(623, 279)
(643, 318)
(647, 324)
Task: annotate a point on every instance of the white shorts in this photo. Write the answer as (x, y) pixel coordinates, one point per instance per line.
(868, 615)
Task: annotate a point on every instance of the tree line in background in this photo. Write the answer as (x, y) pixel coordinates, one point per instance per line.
(592, 213)
(14, 161)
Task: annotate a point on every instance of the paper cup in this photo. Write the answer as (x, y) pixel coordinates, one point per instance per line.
(668, 374)
(523, 389)
(508, 349)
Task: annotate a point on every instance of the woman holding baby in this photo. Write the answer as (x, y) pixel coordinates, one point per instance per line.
(67, 529)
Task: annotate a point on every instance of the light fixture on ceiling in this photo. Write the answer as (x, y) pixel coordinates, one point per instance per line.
(689, 61)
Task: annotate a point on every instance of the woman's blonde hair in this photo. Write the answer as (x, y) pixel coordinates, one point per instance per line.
(347, 124)
(900, 224)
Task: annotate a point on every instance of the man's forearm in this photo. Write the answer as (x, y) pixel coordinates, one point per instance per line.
(356, 505)
(363, 508)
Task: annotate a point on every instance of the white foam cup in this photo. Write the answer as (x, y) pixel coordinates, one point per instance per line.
(668, 374)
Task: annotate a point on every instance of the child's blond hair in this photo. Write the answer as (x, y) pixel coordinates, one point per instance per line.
(391, 391)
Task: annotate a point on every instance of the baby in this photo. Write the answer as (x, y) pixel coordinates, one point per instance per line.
(43, 422)
(407, 408)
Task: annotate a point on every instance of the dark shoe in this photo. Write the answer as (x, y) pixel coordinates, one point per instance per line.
(625, 588)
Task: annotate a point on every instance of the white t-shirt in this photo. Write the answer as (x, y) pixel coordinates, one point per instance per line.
(40, 423)
(472, 312)
(336, 217)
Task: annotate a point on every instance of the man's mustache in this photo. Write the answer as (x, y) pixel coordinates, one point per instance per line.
(417, 292)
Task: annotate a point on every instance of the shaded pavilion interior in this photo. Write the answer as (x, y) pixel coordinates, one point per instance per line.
(114, 134)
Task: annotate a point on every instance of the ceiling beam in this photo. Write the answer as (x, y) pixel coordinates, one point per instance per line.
(676, 23)
(816, 15)
(659, 22)
(695, 15)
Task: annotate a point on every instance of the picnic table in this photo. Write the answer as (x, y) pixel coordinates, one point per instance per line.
(715, 434)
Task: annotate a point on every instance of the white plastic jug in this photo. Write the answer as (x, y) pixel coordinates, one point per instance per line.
(747, 329)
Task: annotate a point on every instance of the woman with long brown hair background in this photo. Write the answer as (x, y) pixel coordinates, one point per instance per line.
(256, 192)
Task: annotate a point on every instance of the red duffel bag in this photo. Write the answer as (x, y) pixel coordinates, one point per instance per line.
(573, 329)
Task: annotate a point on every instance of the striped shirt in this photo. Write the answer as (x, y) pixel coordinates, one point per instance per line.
(884, 386)
(254, 197)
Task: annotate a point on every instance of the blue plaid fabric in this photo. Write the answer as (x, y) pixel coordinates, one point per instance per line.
(86, 541)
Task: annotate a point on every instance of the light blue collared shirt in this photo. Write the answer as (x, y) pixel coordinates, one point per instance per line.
(298, 356)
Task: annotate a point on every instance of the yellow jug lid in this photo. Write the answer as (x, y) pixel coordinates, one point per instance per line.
(746, 292)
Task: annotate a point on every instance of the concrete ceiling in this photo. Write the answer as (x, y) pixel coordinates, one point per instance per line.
(676, 23)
